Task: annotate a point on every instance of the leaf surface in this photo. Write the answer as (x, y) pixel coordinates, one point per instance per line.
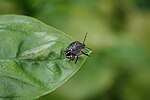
(32, 59)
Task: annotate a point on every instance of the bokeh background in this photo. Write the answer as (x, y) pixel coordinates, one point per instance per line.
(118, 34)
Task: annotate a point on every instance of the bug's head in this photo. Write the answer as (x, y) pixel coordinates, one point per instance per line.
(70, 55)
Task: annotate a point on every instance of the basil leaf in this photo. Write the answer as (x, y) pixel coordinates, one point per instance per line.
(32, 58)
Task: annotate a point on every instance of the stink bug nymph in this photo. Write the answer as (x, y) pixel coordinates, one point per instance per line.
(74, 49)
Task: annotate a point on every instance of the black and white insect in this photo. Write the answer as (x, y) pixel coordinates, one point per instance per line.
(74, 49)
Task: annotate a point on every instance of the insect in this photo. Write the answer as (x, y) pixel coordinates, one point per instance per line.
(74, 49)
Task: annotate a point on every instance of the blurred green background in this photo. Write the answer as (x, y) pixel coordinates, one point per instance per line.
(118, 34)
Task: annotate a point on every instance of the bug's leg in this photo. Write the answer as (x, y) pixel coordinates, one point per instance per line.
(69, 60)
(72, 59)
(76, 60)
(85, 54)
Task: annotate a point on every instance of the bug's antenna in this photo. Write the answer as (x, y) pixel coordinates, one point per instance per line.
(84, 37)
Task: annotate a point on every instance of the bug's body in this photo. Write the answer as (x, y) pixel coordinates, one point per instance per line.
(74, 49)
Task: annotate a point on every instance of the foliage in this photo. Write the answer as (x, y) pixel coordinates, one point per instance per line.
(118, 33)
(32, 59)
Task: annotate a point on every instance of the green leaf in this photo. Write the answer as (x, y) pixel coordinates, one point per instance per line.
(32, 59)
